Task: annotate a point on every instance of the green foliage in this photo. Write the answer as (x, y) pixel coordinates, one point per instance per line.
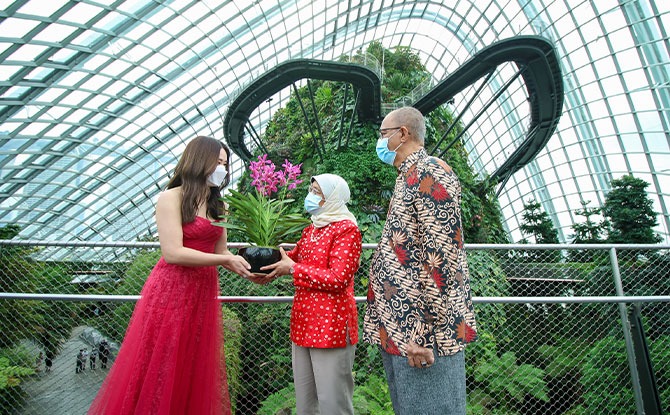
(562, 363)
(538, 224)
(565, 358)
(281, 402)
(114, 324)
(370, 182)
(630, 212)
(481, 403)
(509, 382)
(264, 221)
(485, 349)
(19, 355)
(488, 279)
(11, 376)
(45, 322)
(659, 351)
(367, 359)
(588, 232)
(373, 397)
(639, 277)
(14, 265)
(232, 330)
(265, 347)
(577, 410)
(606, 379)
(370, 398)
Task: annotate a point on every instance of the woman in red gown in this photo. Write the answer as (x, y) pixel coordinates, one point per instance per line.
(170, 361)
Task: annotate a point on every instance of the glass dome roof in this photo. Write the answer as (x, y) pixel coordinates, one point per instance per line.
(97, 99)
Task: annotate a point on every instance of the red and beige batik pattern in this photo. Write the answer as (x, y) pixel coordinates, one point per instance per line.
(419, 289)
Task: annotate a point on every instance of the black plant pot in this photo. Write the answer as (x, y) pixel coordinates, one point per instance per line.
(258, 257)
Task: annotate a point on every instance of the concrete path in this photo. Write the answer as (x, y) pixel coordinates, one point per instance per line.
(62, 391)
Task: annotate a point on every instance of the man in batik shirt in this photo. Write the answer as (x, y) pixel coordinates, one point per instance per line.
(420, 309)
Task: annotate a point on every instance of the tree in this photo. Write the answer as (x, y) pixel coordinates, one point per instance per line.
(538, 224)
(588, 232)
(630, 212)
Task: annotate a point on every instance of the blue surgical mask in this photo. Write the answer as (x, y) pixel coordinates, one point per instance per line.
(383, 152)
(312, 203)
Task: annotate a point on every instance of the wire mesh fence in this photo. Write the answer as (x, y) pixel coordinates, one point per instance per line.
(554, 330)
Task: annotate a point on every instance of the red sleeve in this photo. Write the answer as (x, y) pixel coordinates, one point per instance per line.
(343, 261)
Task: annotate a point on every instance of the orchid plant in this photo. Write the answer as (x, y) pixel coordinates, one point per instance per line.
(262, 214)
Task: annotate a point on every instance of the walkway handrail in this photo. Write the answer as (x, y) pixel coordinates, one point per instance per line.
(235, 245)
(288, 299)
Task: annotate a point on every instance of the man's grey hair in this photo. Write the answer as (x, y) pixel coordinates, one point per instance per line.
(413, 120)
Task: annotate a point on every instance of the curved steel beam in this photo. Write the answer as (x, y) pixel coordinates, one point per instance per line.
(285, 74)
(538, 63)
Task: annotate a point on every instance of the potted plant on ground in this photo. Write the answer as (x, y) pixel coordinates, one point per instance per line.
(262, 214)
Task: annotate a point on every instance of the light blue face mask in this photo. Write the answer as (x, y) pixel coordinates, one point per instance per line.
(312, 203)
(383, 152)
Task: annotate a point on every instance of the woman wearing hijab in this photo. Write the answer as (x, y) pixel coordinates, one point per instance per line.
(324, 318)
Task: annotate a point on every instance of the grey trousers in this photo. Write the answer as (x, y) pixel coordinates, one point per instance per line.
(436, 390)
(323, 379)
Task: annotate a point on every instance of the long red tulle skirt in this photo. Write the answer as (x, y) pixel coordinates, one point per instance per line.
(171, 360)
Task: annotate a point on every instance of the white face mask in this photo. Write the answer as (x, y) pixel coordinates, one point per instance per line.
(217, 177)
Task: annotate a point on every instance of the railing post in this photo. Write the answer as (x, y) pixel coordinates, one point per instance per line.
(625, 323)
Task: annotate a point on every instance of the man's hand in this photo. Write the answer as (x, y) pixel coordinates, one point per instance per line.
(419, 357)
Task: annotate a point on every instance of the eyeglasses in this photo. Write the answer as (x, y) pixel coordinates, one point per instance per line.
(316, 191)
(383, 131)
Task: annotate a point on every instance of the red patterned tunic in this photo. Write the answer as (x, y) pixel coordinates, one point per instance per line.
(419, 287)
(324, 310)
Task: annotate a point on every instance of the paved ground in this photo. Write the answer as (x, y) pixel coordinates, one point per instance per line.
(62, 391)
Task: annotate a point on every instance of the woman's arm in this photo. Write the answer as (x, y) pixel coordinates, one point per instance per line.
(168, 220)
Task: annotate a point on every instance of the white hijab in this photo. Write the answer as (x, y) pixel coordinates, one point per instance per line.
(336, 193)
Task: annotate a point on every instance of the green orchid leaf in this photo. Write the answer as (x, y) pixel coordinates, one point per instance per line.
(263, 220)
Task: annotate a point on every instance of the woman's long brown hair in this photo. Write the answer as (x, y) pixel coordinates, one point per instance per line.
(198, 161)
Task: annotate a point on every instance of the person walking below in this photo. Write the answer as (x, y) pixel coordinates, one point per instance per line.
(171, 360)
(48, 362)
(420, 308)
(92, 357)
(80, 361)
(324, 318)
(103, 352)
(38, 362)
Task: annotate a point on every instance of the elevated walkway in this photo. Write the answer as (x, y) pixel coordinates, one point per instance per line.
(534, 56)
(538, 66)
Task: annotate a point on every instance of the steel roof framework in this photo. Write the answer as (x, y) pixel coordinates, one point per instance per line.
(97, 100)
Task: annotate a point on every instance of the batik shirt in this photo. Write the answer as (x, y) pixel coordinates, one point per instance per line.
(419, 290)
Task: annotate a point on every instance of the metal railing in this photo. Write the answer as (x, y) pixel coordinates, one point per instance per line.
(556, 328)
